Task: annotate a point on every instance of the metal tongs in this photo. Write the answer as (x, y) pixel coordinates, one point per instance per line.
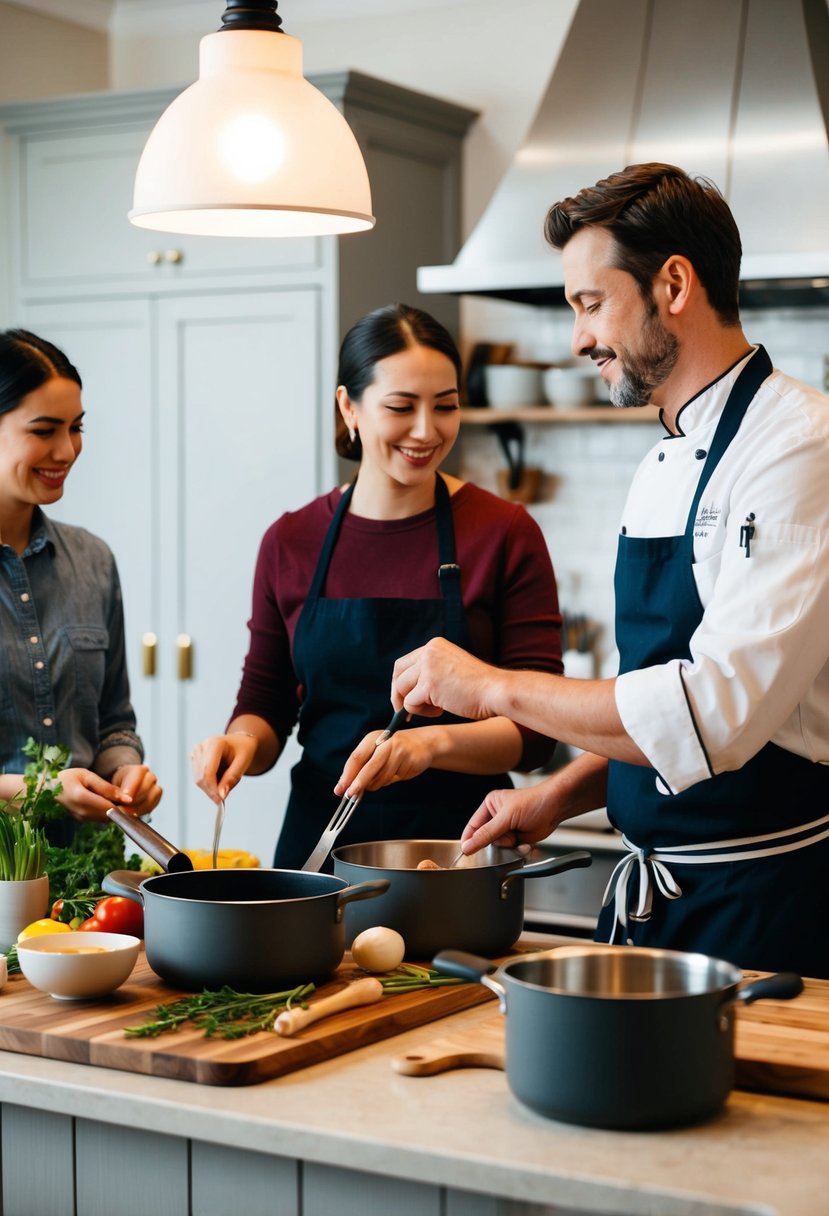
(348, 805)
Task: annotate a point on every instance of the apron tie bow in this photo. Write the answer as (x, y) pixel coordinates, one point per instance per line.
(650, 870)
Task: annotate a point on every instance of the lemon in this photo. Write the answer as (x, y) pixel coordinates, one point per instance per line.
(43, 926)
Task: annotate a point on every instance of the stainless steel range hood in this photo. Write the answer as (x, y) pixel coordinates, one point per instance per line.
(735, 90)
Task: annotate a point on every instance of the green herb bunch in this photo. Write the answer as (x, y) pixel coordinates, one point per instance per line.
(24, 849)
(75, 870)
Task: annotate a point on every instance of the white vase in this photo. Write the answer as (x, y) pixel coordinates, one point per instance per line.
(21, 902)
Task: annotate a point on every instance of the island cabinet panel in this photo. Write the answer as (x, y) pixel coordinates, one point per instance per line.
(232, 1180)
(38, 1162)
(327, 1189)
(128, 1170)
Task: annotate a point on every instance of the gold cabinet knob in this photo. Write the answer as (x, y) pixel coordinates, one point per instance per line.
(154, 257)
(184, 648)
(149, 644)
(173, 255)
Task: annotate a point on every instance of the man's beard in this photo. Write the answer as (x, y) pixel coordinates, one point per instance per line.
(644, 370)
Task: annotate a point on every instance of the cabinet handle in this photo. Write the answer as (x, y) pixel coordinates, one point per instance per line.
(148, 650)
(184, 646)
(173, 255)
(154, 257)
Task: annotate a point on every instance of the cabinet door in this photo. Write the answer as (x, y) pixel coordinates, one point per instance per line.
(113, 489)
(75, 192)
(239, 428)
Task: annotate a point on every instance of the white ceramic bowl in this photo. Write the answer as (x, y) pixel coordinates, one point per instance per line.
(570, 386)
(509, 385)
(72, 965)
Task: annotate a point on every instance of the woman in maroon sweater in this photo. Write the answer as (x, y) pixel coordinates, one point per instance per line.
(364, 573)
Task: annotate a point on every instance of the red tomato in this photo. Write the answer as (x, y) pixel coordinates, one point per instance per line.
(90, 926)
(117, 914)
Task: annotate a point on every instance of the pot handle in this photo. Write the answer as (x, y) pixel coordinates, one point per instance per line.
(552, 865)
(362, 890)
(472, 967)
(148, 839)
(784, 986)
(125, 882)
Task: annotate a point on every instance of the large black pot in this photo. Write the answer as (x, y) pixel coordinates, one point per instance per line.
(477, 906)
(253, 930)
(619, 1036)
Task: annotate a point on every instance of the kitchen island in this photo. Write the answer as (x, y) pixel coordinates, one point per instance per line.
(353, 1136)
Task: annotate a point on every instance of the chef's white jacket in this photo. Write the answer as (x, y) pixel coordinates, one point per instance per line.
(759, 665)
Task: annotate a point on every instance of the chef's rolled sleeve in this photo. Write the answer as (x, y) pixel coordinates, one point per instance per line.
(655, 713)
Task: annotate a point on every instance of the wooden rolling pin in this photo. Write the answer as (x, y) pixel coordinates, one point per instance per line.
(362, 992)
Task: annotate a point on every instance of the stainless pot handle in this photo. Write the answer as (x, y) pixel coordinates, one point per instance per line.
(465, 966)
(125, 882)
(152, 842)
(784, 986)
(362, 890)
(552, 865)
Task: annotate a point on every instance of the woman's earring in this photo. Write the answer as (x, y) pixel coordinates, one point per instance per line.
(352, 434)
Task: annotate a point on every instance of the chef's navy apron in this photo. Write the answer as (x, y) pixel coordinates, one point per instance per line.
(344, 653)
(735, 866)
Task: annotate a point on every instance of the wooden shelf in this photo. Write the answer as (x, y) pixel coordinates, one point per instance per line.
(547, 414)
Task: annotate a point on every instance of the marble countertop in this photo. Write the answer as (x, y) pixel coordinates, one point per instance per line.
(762, 1155)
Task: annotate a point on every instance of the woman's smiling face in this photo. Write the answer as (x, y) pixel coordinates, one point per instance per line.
(40, 440)
(409, 415)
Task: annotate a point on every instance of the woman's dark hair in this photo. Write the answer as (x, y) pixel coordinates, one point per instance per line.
(376, 336)
(653, 211)
(27, 362)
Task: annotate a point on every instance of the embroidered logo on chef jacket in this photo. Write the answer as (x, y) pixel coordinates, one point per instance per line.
(706, 522)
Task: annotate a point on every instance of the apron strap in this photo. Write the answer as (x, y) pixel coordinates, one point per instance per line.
(449, 572)
(758, 369)
(324, 561)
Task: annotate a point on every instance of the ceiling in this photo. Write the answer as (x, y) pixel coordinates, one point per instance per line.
(137, 16)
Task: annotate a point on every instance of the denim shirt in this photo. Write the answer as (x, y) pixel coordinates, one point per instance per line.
(63, 671)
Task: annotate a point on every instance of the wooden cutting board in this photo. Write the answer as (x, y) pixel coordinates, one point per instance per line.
(780, 1046)
(92, 1031)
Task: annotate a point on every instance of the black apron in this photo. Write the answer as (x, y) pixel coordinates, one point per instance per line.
(767, 912)
(344, 652)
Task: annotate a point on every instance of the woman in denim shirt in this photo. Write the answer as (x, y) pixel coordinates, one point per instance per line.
(63, 673)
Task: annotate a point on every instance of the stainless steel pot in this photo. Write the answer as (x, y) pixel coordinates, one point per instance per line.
(619, 1036)
(253, 930)
(477, 906)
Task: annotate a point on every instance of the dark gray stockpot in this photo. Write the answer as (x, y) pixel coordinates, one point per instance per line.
(619, 1037)
(478, 906)
(253, 930)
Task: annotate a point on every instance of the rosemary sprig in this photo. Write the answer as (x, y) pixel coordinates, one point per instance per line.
(226, 1013)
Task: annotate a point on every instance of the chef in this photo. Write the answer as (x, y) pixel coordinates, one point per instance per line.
(711, 746)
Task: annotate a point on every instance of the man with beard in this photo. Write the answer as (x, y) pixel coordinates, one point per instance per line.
(711, 746)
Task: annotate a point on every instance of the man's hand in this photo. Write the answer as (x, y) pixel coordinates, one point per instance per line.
(512, 817)
(441, 676)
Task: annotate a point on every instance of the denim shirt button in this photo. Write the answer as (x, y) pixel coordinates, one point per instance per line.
(48, 722)
(34, 641)
(24, 599)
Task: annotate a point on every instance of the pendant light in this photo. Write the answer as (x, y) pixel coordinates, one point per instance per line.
(252, 148)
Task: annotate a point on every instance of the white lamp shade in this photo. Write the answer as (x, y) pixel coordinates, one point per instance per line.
(252, 149)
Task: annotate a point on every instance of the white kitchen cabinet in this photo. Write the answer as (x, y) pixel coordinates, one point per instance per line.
(203, 425)
(208, 372)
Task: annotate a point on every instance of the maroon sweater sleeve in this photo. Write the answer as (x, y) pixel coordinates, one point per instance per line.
(507, 581)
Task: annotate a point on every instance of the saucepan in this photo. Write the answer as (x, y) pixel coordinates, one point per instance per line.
(477, 905)
(620, 1037)
(253, 930)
